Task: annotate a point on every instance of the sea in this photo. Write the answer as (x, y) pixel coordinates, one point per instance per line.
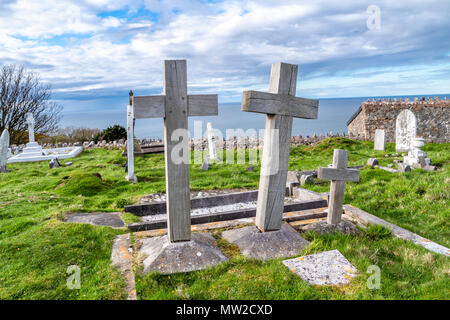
(333, 116)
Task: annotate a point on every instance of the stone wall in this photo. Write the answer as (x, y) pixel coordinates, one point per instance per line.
(433, 118)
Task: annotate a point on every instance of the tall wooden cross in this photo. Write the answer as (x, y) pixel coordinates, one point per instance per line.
(175, 105)
(338, 174)
(280, 105)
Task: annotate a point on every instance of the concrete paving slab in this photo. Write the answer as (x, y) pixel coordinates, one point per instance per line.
(161, 255)
(253, 243)
(325, 268)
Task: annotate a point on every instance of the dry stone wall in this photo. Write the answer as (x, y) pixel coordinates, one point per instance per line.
(433, 118)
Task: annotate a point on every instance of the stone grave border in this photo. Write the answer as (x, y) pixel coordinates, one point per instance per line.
(160, 208)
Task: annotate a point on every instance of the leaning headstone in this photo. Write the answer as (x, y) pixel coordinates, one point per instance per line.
(372, 162)
(280, 106)
(325, 268)
(380, 140)
(177, 252)
(405, 130)
(338, 175)
(54, 163)
(306, 179)
(4, 146)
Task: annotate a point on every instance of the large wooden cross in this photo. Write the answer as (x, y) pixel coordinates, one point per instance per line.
(280, 105)
(175, 105)
(338, 174)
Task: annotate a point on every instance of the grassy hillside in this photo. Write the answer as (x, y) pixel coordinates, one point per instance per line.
(36, 247)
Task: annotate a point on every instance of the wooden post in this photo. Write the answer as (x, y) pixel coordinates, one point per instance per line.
(175, 105)
(130, 144)
(280, 105)
(338, 175)
(177, 172)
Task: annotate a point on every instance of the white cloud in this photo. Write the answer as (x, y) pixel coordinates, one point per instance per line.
(229, 45)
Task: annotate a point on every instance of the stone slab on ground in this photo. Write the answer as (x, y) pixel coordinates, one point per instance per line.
(161, 255)
(253, 243)
(121, 259)
(325, 268)
(322, 227)
(366, 218)
(109, 219)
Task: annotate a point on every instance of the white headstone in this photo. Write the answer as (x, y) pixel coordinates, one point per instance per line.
(4, 145)
(30, 122)
(211, 142)
(405, 130)
(380, 140)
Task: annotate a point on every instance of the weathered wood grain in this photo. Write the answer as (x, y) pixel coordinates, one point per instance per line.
(275, 158)
(338, 174)
(337, 188)
(203, 105)
(177, 172)
(130, 145)
(282, 104)
(149, 107)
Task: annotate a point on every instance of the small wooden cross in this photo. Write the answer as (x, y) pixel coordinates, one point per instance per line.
(338, 174)
(175, 106)
(280, 105)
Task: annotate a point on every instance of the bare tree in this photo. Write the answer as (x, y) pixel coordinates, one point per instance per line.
(22, 92)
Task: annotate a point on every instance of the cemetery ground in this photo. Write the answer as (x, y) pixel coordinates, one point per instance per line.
(36, 246)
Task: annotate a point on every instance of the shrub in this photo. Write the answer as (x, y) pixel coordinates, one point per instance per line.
(111, 133)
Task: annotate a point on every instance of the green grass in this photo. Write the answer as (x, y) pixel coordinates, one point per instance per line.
(36, 247)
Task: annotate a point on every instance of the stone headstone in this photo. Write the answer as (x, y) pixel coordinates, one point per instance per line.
(405, 130)
(54, 163)
(4, 146)
(211, 142)
(30, 122)
(306, 179)
(205, 166)
(380, 140)
(372, 162)
(416, 157)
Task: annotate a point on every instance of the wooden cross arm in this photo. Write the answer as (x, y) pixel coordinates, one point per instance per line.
(154, 106)
(338, 174)
(282, 104)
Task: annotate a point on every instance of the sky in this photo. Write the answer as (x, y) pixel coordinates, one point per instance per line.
(93, 52)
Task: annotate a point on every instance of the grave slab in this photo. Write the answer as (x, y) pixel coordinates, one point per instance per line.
(167, 257)
(109, 219)
(325, 268)
(253, 243)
